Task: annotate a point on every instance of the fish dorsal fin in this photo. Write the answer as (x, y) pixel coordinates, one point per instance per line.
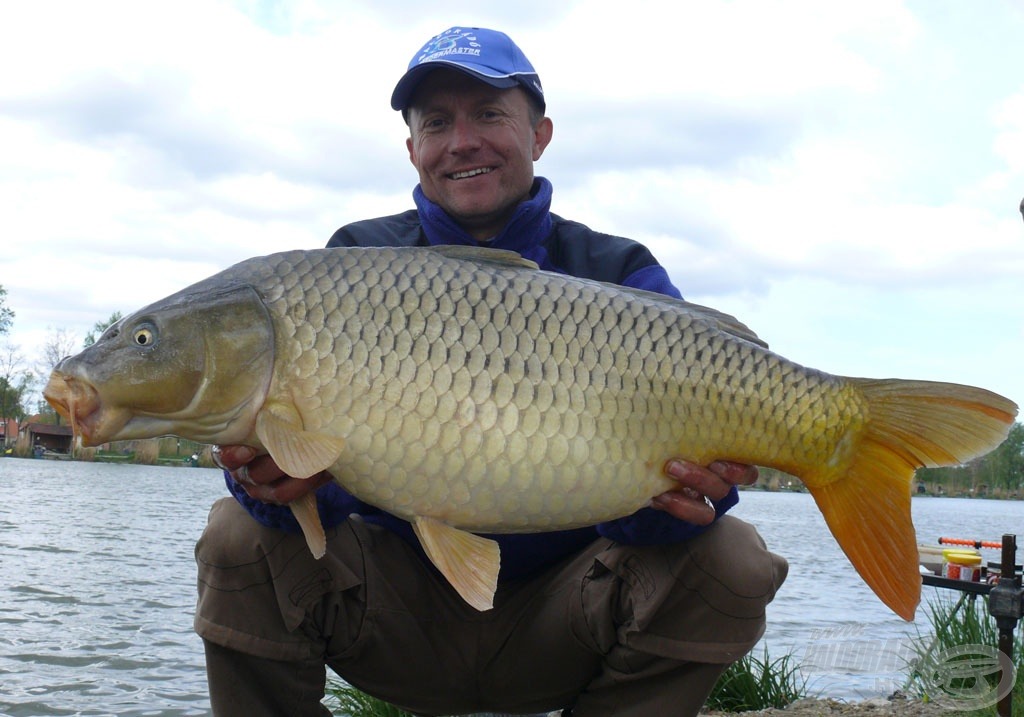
(722, 321)
(485, 255)
(506, 259)
(726, 322)
(469, 562)
(305, 512)
(298, 452)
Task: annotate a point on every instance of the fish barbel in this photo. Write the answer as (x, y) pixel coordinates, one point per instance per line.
(467, 391)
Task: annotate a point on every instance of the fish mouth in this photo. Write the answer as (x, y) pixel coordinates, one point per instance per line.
(79, 402)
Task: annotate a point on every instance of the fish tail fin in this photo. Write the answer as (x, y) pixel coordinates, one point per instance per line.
(911, 424)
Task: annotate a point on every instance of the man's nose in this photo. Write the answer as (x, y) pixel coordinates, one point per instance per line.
(465, 135)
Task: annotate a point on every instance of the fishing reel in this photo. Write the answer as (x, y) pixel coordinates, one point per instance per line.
(1006, 599)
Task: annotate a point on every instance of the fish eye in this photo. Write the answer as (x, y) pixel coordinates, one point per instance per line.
(144, 336)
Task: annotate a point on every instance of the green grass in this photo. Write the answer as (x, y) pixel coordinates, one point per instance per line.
(955, 624)
(749, 684)
(756, 684)
(344, 699)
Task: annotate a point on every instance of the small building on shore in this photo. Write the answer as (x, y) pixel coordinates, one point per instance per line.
(46, 437)
(8, 432)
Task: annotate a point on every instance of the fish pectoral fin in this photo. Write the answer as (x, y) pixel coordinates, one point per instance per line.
(469, 562)
(298, 452)
(305, 511)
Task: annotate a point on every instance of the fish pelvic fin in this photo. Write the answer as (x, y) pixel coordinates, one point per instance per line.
(305, 512)
(298, 452)
(911, 424)
(468, 561)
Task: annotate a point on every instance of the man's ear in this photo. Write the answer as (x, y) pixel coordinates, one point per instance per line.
(412, 153)
(542, 136)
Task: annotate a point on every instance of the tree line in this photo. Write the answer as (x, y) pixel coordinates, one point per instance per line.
(998, 474)
(21, 379)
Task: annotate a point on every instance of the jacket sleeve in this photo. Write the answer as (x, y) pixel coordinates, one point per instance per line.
(649, 526)
(333, 503)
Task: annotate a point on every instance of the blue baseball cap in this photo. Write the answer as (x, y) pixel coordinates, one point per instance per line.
(488, 55)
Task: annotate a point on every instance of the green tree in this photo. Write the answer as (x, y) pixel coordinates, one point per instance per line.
(99, 327)
(11, 397)
(1002, 469)
(15, 381)
(6, 314)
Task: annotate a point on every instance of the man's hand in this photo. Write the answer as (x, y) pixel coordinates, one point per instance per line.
(696, 484)
(261, 478)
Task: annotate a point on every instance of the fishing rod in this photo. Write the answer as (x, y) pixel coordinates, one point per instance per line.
(976, 544)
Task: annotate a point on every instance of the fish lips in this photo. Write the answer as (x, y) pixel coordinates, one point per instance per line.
(75, 398)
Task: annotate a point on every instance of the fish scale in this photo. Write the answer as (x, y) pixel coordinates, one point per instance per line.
(510, 418)
(465, 390)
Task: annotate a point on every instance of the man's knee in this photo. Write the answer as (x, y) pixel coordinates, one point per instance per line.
(735, 559)
(258, 586)
(233, 537)
(702, 600)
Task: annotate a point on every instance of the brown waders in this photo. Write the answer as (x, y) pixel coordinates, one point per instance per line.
(615, 630)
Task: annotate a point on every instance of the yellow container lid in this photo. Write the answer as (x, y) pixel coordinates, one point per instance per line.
(962, 557)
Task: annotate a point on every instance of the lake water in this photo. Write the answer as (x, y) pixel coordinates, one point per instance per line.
(97, 588)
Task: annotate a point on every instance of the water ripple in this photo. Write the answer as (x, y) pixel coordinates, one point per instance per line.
(96, 608)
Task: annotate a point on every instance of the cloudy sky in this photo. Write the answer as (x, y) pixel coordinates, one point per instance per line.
(843, 177)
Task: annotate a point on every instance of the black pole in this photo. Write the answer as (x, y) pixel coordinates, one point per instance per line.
(1007, 622)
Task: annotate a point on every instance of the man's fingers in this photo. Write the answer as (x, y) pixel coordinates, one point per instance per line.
(231, 458)
(698, 478)
(262, 478)
(698, 486)
(287, 489)
(242, 476)
(735, 473)
(685, 504)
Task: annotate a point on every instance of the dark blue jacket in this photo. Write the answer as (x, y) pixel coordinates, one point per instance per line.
(556, 244)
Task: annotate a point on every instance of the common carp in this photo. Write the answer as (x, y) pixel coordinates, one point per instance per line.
(467, 391)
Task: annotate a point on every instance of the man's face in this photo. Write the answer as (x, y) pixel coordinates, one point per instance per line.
(474, 147)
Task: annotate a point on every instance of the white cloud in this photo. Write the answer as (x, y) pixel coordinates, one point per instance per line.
(1008, 142)
(782, 158)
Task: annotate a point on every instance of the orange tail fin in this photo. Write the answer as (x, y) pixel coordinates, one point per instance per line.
(911, 424)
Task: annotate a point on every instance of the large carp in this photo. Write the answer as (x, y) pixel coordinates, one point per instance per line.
(466, 391)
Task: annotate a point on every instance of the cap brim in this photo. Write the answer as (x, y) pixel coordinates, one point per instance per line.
(406, 86)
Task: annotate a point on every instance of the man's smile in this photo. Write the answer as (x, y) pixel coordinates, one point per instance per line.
(470, 173)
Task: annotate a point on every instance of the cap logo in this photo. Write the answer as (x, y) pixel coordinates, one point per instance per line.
(455, 41)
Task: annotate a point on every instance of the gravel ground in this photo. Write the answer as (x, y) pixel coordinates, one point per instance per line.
(867, 708)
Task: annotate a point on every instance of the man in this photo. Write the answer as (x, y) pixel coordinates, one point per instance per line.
(637, 616)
